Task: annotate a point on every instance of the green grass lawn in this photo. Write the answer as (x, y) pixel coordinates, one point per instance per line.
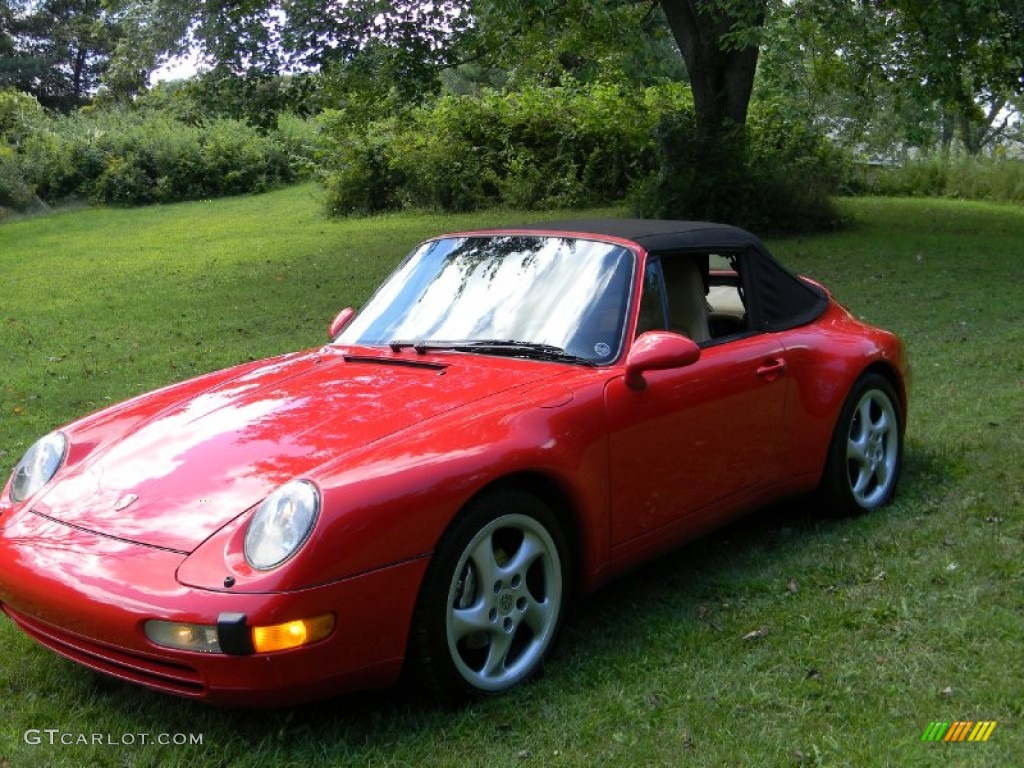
(867, 630)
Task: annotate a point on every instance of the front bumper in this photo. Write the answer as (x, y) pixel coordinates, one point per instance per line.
(88, 597)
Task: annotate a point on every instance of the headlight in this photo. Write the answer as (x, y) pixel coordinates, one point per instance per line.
(281, 524)
(185, 637)
(38, 466)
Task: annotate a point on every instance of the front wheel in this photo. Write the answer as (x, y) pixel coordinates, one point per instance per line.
(866, 453)
(493, 597)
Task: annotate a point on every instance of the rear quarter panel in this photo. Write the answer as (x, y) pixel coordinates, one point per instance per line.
(825, 358)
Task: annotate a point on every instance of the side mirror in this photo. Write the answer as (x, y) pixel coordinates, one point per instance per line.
(658, 351)
(340, 321)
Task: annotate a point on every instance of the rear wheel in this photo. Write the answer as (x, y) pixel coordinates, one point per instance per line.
(866, 453)
(493, 597)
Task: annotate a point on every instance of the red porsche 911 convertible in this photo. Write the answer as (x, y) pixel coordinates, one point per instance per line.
(516, 415)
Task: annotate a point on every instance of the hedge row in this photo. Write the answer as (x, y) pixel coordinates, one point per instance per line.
(536, 148)
(131, 159)
(775, 174)
(581, 146)
(540, 147)
(995, 179)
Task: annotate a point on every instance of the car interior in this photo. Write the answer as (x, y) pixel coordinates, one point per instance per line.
(697, 295)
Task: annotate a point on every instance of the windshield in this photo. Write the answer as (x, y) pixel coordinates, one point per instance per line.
(558, 292)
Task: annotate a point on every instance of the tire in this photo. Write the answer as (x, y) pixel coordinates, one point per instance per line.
(866, 453)
(493, 598)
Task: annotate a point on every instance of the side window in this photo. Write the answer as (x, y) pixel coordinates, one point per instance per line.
(699, 295)
(727, 304)
(651, 316)
(686, 294)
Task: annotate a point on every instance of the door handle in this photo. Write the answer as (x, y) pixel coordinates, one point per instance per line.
(772, 368)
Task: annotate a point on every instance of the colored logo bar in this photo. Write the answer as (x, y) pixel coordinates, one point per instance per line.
(961, 730)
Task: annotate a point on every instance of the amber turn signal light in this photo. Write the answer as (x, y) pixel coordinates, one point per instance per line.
(292, 634)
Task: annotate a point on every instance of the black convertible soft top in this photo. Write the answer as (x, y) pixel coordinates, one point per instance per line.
(778, 299)
(658, 235)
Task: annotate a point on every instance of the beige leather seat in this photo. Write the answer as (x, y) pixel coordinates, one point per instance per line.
(687, 299)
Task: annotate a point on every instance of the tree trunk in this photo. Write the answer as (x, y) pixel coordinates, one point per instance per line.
(946, 131)
(721, 71)
(78, 83)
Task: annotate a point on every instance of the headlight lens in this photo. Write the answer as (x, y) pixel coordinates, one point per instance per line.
(38, 466)
(185, 637)
(281, 524)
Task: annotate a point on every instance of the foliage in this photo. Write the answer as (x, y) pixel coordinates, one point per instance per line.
(359, 177)
(885, 77)
(175, 100)
(16, 193)
(126, 158)
(825, 58)
(408, 41)
(152, 32)
(303, 143)
(547, 43)
(965, 178)
(258, 100)
(535, 148)
(584, 145)
(867, 629)
(425, 153)
(261, 102)
(58, 50)
(717, 39)
(964, 54)
(258, 38)
(20, 115)
(775, 174)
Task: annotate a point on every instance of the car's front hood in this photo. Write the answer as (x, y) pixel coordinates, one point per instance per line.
(178, 475)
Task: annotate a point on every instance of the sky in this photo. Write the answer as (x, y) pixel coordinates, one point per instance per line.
(178, 68)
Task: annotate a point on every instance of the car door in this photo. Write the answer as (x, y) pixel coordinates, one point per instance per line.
(695, 437)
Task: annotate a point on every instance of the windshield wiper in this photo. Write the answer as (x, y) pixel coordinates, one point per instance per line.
(529, 349)
(508, 347)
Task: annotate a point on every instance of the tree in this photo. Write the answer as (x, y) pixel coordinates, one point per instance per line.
(594, 48)
(968, 56)
(406, 45)
(57, 50)
(152, 32)
(718, 39)
(828, 61)
(720, 44)
(961, 59)
(900, 73)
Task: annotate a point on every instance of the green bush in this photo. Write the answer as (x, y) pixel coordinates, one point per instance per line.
(301, 139)
(238, 159)
(131, 159)
(60, 157)
(361, 179)
(16, 193)
(576, 146)
(448, 155)
(20, 115)
(771, 175)
(535, 148)
(122, 182)
(996, 179)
